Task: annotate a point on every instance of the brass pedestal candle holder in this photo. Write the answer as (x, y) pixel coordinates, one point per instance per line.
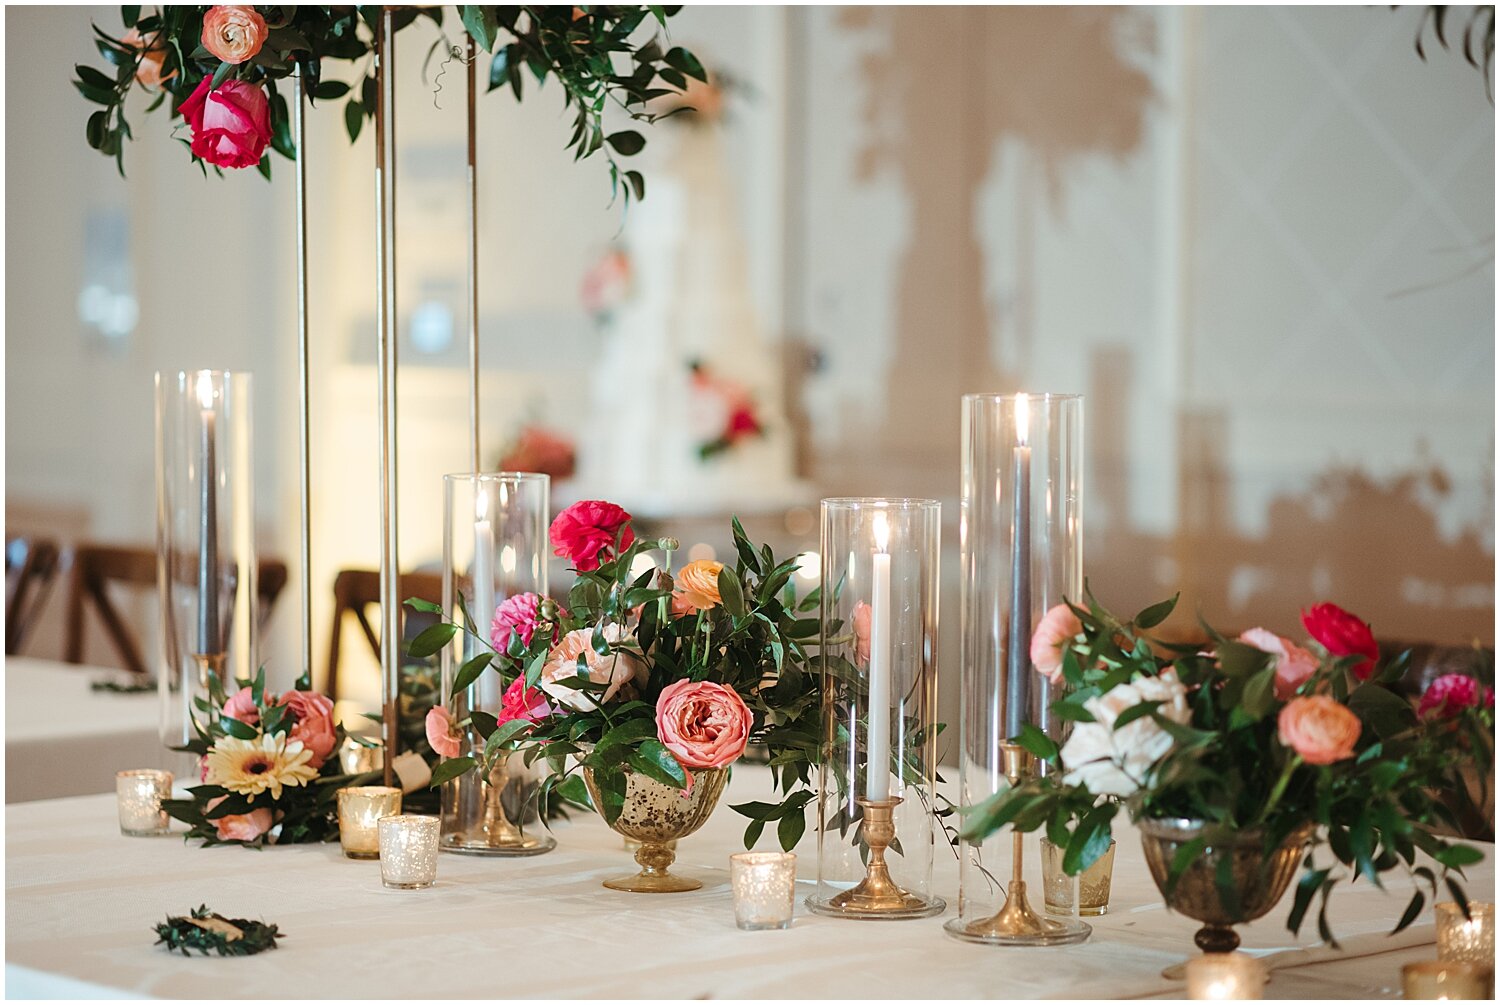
(497, 832)
(877, 895)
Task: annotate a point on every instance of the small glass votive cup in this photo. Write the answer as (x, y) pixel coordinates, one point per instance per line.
(1471, 939)
(139, 794)
(1090, 887)
(360, 810)
(1216, 976)
(1447, 979)
(408, 851)
(764, 885)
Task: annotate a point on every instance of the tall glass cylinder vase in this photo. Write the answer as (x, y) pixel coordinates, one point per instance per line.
(879, 647)
(205, 543)
(1021, 546)
(494, 550)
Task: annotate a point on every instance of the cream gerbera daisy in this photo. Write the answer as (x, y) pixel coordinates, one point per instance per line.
(251, 767)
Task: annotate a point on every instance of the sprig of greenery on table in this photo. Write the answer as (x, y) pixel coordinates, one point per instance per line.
(182, 934)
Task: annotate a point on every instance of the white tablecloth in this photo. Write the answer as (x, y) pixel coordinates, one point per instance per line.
(81, 901)
(62, 738)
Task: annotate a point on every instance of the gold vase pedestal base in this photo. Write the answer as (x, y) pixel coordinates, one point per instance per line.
(658, 816)
(654, 859)
(877, 897)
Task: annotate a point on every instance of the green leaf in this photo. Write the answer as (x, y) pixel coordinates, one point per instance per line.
(680, 59)
(1137, 711)
(130, 15)
(1456, 856)
(417, 603)
(1156, 613)
(220, 75)
(432, 640)
(450, 769)
(94, 78)
(655, 760)
(482, 24)
(626, 142)
(1413, 910)
(470, 671)
(730, 594)
(237, 729)
(97, 127)
(1039, 743)
(790, 830)
(504, 734)
(354, 118)
(98, 97)
(1260, 693)
(484, 723)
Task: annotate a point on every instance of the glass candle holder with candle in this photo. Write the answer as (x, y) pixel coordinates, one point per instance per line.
(360, 809)
(1217, 976)
(408, 851)
(1470, 939)
(764, 885)
(1450, 980)
(138, 796)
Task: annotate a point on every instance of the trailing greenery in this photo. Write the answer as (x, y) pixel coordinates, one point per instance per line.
(209, 932)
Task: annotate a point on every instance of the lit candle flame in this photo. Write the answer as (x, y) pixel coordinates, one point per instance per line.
(206, 389)
(1023, 418)
(882, 532)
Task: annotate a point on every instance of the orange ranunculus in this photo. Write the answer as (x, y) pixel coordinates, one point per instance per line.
(1319, 729)
(697, 587)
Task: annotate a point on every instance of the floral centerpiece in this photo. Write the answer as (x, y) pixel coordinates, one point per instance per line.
(1245, 758)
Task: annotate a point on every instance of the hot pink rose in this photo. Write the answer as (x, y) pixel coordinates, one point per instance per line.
(522, 702)
(862, 615)
(1342, 634)
(442, 732)
(242, 826)
(1318, 728)
(1294, 665)
(703, 724)
(585, 533)
(518, 614)
(231, 126)
(241, 706)
(233, 33)
(314, 725)
(1450, 694)
(1052, 636)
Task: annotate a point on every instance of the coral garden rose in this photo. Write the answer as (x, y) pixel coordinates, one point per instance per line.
(442, 732)
(1116, 762)
(1450, 694)
(519, 615)
(234, 33)
(153, 53)
(1342, 634)
(241, 826)
(617, 669)
(863, 613)
(1294, 664)
(1049, 642)
(1319, 729)
(697, 587)
(522, 702)
(585, 533)
(703, 724)
(241, 706)
(231, 126)
(314, 726)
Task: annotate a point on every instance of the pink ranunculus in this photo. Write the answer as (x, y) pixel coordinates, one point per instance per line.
(1450, 694)
(1318, 728)
(231, 126)
(442, 732)
(241, 706)
(518, 614)
(233, 33)
(1294, 664)
(1343, 634)
(618, 669)
(1052, 636)
(522, 702)
(242, 826)
(314, 725)
(585, 533)
(863, 613)
(703, 724)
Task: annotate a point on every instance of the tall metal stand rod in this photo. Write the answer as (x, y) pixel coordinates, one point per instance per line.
(299, 138)
(474, 445)
(385, 241)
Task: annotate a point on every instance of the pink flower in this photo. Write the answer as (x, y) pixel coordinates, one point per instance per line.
(1294, 665)
(153, 57)
(242, 826)
(314, 725)
(233, 33)
(231, 126)
(703, 724)
(1319, 729)
(862, 614)
(518, 614)
(522, 702)
(241, 706)
(618, 669)
(1450, 694)
(1054, 633)
(585, 533)
(442, 732)
(1342, 634)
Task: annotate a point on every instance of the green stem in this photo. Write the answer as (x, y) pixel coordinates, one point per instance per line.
(1281, 784)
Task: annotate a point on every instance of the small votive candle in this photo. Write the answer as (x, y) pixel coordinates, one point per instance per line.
(1471, 939)
(764, 885)
(408, 851)
(1447, 980)
(1215, 976)
(139, 794)
(360, 810)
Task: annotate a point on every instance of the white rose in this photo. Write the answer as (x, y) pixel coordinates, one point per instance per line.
(1111, 762)
(617, 669)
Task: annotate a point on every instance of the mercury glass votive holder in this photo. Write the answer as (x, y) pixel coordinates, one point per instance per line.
(1088, 891)
(139, 794)
(1216, 976)
(764, 885)
(1471, 939)
(1447, 980)
(409, 851)
(360, 810)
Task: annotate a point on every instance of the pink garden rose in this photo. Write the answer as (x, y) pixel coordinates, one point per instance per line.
(522, 702)
(1450, 694)
(862, 615)
(314, 725)
(1294, 665)
(1342, 634)
(442, 732)
(242, 826)
(1052, 636)
(233, 33)
(231, 126)
(519, 615)
(618, 669)
(241, 706)
(585, 533)
(703, 724)
(1319, 729)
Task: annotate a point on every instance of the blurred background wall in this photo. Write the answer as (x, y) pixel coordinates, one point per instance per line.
(1260, 241)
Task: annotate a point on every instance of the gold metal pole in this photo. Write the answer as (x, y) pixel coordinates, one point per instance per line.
(299, 137)
(385, 242)
(473, 263)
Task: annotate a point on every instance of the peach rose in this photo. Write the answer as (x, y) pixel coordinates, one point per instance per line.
(314, 725)
(442, 732)
(242, 826)
(618, 669)
(697, 587)
(234, 33)
(1294, 665)
(241, 706)
(1053, 634)
(1319, 729)
(153, 56)
(862, 615)
(703, 724)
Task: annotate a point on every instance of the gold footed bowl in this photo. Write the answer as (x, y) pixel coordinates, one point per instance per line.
(655, 814)
(1260, 881)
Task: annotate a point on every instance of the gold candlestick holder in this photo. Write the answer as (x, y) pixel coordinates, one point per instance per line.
(499, 830)
(1017, 923)
(877, 896)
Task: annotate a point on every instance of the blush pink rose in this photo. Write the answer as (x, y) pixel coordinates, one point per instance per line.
(703, 724)
(1319, 729)
(1053, 634)
(442, 732)
(1294, 665)
(519, 615)
(314, 725)
(241, 706)
(242, 826)
(522, 702)
(1343, 634)
(153, 53)
(618, 669)
(1450, 694)
(231, 126)
(585, 533)
(862, 615)
(233, 33)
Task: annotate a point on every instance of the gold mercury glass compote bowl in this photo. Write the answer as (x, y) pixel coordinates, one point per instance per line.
(655, 814)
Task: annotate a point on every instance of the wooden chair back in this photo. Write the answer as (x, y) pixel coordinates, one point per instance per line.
(31, 565)
(355, 591)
